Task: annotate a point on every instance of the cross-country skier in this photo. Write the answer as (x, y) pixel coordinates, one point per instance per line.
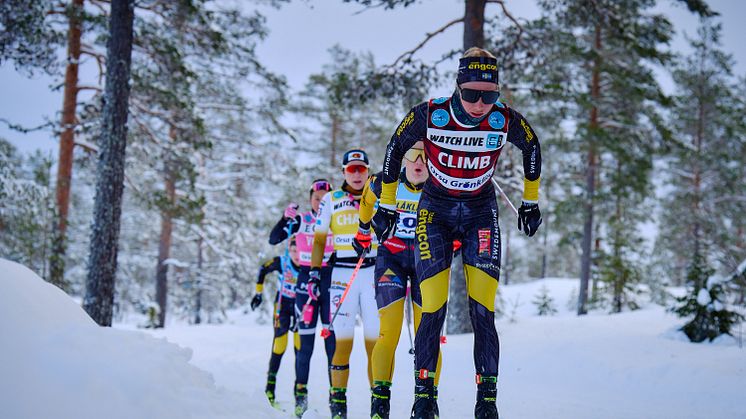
(394, 270)
(284, 318)
(464, 136)
(338, 214)
(303, 226)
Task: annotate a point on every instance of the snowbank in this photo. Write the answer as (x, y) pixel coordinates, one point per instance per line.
(55, 362)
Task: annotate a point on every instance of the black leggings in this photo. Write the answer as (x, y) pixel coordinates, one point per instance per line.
(307, 332)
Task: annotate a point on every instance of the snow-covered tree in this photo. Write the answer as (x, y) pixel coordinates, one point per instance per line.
(707, 301)
(26, 208)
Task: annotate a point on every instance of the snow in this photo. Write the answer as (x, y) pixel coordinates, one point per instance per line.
(54, 362)
(703, 297)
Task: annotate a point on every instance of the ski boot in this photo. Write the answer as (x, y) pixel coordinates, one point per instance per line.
(486, 407)
(338, 402)
(425, 397)
(270, 389)
(379, 401)
(301, 399)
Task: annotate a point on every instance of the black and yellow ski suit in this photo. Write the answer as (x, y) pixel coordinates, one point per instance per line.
(395, 269)
(284, 317)
(458, 203)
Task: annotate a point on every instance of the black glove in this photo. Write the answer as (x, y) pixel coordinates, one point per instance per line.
(529, 218)
(314, 283)
(384, 223)
(256, 301)
(361, 241)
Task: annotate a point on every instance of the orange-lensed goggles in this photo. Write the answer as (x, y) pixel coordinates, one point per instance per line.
(356, 168)
(414, 153)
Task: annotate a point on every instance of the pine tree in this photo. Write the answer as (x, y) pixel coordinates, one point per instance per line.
(702, 176)
(544, 302)
(26, 208)
(607, 96)
(100, 283)
(706, 300)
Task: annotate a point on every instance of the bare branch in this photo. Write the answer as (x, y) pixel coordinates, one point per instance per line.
(408, 55)
(94, 88)
(25, 130)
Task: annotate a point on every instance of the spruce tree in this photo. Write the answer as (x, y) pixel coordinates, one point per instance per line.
(544, 302)
(702, 177)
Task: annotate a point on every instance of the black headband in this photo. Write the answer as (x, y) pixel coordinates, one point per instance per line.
(477, 69)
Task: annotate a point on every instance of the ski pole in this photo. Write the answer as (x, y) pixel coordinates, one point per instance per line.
(326, 332)
(407, 311)
(505, 197)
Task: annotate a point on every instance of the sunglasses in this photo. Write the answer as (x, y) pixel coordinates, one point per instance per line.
(415, 153)
(356, 168)
(321, 186)
(489, 97)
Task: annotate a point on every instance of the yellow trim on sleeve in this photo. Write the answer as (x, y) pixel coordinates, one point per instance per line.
(367, 202)
(531, 190)
(388, 193)
(319, 243)
(259, 288)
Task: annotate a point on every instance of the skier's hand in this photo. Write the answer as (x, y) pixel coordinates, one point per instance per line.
(256, 301)
(529, 218)
(361, 242)
(384, 222)
(291, 211)
(314, 283)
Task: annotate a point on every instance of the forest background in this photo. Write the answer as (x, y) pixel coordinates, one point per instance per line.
(236, 107)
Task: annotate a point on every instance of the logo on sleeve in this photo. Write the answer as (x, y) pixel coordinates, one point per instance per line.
(527, 130)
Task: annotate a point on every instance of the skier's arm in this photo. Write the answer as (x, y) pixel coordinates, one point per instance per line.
(411, 129)
(368, 200)
(523, 136)
(321, 230)
(279, 232)
(273, 265)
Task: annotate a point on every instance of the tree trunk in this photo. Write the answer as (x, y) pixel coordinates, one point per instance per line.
(458, 319)
(102, 262)
(545, 234)
(620, 277)
(67, 142)
(474, 23)
(164, 246)
(198, 284)
(585, 264)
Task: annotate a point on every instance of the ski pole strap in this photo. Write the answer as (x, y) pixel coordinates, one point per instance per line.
(384, 383)
(424, 374)
(486, 379)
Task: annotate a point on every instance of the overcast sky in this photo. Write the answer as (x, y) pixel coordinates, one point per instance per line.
(301, 34)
